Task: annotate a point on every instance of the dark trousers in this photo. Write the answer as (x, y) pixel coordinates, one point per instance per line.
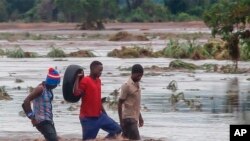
(48, 130)
(91, 126)
(130, 129)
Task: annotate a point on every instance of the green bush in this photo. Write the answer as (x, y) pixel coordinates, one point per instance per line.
(147, 12)
(19, 53)
(138, 15)
(81, 53)
(175, 49)
(181, 17)
(178, 64)
(196, 11)
(56, 52)
(2, 52)
(16, 53)
(245, 50)
(188, 49)
(132, 52)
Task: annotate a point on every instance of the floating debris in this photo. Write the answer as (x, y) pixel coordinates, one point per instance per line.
(178, 64)
(17, 88)
(19, 80)
(125, 36)
(72, 108)
(22, 114)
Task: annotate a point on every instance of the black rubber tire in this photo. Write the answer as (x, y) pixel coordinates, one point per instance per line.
(69, 81)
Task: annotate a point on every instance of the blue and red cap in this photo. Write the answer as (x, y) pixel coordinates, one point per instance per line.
(53, 77)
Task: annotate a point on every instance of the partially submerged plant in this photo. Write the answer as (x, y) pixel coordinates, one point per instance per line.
(125, 36)
(178, 64)
(172, 86)
(16, 53)
(18, 80)
(2, 52)
(112, 100)
(56, 52)
(81, 53)
(175, 97)
(132, 52)
(19, 53)
(3, 94)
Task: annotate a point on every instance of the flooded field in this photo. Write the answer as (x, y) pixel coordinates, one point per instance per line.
(209, 104)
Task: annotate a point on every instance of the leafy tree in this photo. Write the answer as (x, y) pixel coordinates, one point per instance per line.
(133, 4)
(229, 19)
(70, 8)
(3, 11)
(16, 8)
(148, 11)
(46, 9)
(91, 13)
(176, 6)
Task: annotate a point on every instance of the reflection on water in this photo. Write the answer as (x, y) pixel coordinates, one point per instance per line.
(232, 96)
(236, 102)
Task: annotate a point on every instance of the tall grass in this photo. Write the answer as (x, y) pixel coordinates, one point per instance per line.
(245, 50)
(132, 52)
(2, 52)
(15, 53)
(56, 52)
(191, 49)
(19, 53)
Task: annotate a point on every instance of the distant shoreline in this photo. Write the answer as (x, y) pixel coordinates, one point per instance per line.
(109, 26)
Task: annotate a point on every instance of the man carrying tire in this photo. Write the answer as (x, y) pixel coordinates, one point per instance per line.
(41, 116)
(129, 105)
(92, 114)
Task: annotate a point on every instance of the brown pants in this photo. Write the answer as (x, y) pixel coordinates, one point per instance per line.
(130, 129)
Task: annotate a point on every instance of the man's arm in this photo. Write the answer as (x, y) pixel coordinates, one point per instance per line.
(77, 90)
(120, 102)
(141, 121)
(27, 102)
(122, 98)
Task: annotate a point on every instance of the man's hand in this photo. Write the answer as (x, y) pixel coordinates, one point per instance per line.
(121, 124)
(34, 122)
(80, 75)
(141, 122)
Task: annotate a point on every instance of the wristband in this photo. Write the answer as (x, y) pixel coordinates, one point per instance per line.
(31, 115)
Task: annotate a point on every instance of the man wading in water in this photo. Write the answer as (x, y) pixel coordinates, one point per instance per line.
(41, 116)
(129, 104)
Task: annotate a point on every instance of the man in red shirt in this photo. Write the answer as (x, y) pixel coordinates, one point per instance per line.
(92, 114)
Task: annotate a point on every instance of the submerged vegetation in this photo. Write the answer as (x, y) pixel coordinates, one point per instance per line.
(3, 94)
(178, 64)
(2, 52)
(112, 100)
(20, 53)
(181, 65)
(125, 36)
(56, 53)
(132, 52)
(183, 49)
(81, 53)
(177, 97)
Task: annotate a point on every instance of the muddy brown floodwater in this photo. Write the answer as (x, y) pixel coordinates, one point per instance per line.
(209, 104)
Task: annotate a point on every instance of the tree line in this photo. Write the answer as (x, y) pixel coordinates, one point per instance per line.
(121, 10)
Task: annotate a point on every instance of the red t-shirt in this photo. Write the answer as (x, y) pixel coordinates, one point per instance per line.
(91, 100)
